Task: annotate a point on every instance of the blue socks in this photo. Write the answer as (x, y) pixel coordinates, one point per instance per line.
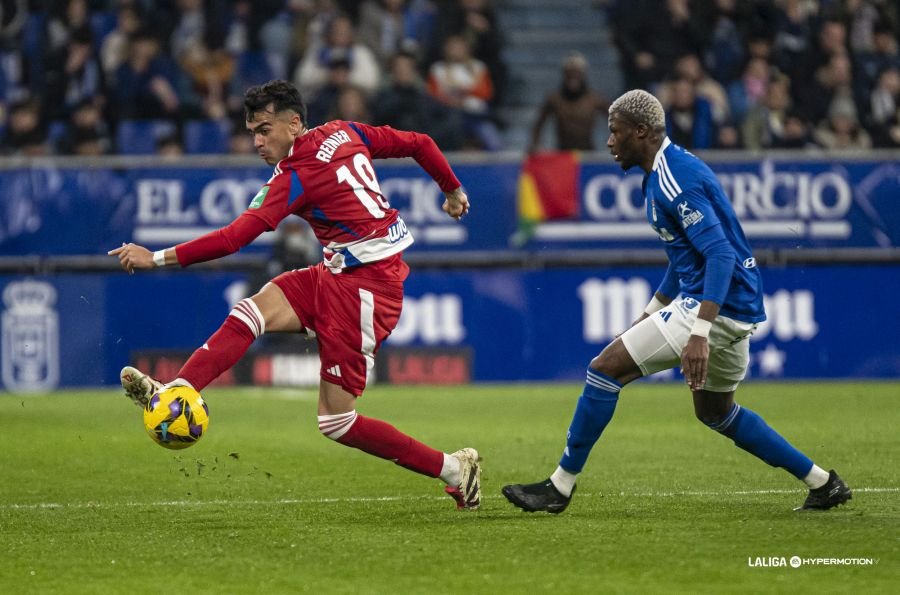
(750, 432)
(594, 410)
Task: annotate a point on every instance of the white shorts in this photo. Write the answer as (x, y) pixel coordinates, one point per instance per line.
(656, 342)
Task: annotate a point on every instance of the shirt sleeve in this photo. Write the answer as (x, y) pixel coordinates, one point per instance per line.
(221, 242)
(277, 199)
(694, 213)
(270, 205)
(385, 142)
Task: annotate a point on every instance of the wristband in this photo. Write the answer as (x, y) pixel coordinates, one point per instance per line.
(701, 328)
(159, 258)
(653, 306)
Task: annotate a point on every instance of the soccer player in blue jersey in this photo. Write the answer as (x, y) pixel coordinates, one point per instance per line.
(706, 330)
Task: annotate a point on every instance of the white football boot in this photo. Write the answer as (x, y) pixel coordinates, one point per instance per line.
(138, 386)
(468, 493)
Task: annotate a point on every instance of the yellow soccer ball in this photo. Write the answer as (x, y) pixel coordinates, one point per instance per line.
(176, 417)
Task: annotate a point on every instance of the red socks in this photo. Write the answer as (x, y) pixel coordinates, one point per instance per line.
(227, 345)
(387, 442)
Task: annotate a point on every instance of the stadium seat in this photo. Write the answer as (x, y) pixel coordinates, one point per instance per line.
(56, 131)
(139, 137)
(206, 136)
(252, 69)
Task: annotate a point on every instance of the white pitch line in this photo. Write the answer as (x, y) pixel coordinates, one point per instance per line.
(289, 501)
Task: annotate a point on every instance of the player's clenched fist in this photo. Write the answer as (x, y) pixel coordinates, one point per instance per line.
(132, 256)
(456, 203)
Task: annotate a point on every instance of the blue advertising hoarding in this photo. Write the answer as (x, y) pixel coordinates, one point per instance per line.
(510, 325)
(53, 210)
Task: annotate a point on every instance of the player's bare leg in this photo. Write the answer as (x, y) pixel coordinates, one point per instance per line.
(267, 311)
(607, 374)
(749, 431)
(339, 421)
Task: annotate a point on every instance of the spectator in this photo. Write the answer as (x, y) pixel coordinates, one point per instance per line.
(403, 104)
(885, 109)
(462, 82)
(295, 247)
(351, 106)
(87, 132)
(649, 39)
(689, 120)
(145, 85)
(797, 133)
(841, 130)
(114, 48)
(690, 68)
(831, 79)
(26, 134)
(476, 22)
(574, 107)
(240, 142)
(320, 107)
(310, 19)
(210, 70)
(868, 66)
(312, 72)
(728, 136)
(390, 26)
(763, 127)
(170, 147)
(831, 41)
(725, 52)
(793, 30)
(750, 89)
(73, 74)
(65, 18)
(863, 15)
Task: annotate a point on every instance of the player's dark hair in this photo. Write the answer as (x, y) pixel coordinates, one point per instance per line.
(280, 94)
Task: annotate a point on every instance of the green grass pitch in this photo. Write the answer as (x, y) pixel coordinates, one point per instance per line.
(265, 504)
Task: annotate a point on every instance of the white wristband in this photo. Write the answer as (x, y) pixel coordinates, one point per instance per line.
(701, 328)
(159, 258)
(653, 306)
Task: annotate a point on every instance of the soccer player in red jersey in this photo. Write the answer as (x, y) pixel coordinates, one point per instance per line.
(350, 302)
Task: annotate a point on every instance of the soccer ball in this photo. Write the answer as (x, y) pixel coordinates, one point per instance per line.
(176, 417)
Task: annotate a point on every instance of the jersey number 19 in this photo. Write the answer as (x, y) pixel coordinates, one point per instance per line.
(372, 198)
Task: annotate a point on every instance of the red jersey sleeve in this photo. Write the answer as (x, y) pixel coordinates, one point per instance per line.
(385, 142)
(221, 242)
(270, 205)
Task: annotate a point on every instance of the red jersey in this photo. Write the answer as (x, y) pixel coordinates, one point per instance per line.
(328, 180)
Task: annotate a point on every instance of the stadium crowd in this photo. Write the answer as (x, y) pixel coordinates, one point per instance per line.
(762, 74)
(93, 77)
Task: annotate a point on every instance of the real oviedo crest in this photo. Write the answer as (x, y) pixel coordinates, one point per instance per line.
(30, 337)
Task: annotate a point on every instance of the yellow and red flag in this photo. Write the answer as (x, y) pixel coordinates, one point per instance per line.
(548, 188)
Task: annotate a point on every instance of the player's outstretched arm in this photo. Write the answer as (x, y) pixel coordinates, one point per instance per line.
(211, 246)
(456, 203)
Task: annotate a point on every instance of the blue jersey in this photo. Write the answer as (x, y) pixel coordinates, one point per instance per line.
(688, 209)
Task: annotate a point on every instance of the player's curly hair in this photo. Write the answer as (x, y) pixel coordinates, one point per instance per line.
(281, 94)
(640, 107)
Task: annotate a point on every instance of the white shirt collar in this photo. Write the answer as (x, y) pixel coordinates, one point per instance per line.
(665, 144)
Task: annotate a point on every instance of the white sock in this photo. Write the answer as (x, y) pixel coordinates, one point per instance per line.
(450, 471)
(816, 478)
(563, 481)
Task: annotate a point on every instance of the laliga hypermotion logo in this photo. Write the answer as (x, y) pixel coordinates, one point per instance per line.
(30, 330)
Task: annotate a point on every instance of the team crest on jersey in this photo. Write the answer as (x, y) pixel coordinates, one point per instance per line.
(688, 215)
(259, 198)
